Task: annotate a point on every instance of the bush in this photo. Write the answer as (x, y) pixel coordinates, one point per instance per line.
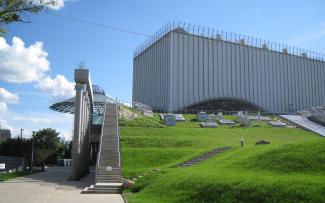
(141, 122)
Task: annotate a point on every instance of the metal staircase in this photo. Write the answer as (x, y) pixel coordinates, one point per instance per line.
(108, 168)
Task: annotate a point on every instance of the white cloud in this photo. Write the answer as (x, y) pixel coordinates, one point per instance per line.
(58, 88)
(8, 97)
(5, 125)
(29, 64)
(20, 64)
(33, 119)
(57, 4)
(52, 4)
(3, 107)
(66, 135)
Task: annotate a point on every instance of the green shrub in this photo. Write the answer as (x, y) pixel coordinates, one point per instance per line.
(141, 122)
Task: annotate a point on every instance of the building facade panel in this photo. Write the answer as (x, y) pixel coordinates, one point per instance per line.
(181, 69)
(151, 75)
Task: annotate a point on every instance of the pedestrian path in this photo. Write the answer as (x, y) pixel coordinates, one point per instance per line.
(52, 186)
(204, 156)
(305, 123)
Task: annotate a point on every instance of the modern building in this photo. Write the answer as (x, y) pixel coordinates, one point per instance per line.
(99, 99)
(185, 66)
(96, 139)
(4, 135)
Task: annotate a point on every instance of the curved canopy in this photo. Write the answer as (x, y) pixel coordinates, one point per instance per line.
(100, 98)
(225, 104)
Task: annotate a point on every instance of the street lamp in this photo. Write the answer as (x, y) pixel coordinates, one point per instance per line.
(21, 133)
(32, 156)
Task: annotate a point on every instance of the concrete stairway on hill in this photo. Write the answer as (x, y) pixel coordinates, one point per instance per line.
(304, 123)
(108, 168)
(204, 157)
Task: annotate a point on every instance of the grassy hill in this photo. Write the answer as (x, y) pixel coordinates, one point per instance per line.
(290, 169)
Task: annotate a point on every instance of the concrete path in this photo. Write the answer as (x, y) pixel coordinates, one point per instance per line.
(204, 157)
(52, 186)
(305, 123)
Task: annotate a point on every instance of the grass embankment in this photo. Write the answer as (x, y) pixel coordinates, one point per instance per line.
(290, 169)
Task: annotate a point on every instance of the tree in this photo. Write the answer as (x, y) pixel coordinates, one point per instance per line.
(16, 147)
(47, 138)
(12, 10)
(48, 145)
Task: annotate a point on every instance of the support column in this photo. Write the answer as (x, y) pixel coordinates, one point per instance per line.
(82, 124)
(77, 131)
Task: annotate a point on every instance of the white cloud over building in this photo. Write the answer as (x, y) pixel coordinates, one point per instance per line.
(8, 97)
(58, 88)
(20, 64)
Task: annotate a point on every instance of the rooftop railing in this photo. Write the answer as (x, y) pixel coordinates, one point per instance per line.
(229, 37)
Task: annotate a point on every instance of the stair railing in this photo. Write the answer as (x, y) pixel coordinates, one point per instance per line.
(118, 133)
(100, 145)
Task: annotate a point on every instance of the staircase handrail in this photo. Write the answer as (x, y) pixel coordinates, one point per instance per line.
(141, 107)
(118, 134)
(100, 144)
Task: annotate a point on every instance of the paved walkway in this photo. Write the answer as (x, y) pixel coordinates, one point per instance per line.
(306, 124)
(51, 186)
(204, 157)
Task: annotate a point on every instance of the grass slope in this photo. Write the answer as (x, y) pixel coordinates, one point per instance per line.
(306, 157)
(291, 169)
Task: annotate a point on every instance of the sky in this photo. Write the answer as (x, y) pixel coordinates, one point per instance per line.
(37, 59)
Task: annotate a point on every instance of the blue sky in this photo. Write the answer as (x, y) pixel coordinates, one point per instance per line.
(108, 53)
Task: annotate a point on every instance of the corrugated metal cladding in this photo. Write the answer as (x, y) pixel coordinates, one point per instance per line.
(182, 69)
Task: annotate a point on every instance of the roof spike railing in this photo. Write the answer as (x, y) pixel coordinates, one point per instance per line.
(228, 36)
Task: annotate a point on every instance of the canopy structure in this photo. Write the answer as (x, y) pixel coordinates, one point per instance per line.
(100, 98)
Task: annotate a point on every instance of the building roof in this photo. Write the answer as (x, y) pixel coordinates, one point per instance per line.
(201, 31)
(100, 98)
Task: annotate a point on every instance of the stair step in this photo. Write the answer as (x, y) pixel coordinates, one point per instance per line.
(105, 180)
(109, 152)
(102, 191)
(102, 180)
(102, 175)
(108, 180)
(204, 157)
(104, 188)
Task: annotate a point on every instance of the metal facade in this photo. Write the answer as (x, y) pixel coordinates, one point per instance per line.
(181, 69)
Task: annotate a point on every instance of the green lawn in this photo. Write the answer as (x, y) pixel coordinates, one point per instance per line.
(290, 169)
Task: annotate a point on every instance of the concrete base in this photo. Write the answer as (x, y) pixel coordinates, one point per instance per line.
(208, 125)
(277, 124)
(226, 122)
(179, 117)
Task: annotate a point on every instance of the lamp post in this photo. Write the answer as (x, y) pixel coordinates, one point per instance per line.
(32, 156)
(242, 142)
(21, 133)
